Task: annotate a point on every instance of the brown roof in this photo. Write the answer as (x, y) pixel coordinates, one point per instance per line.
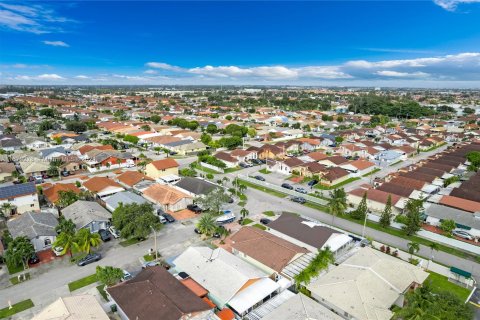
(164, 194)
(317, 155)
(298, 228)
(408, 182)
(293, 162)
(52, 192)
(419, 176)
(466, 193)
(131, 178)
(396, 189)
(225, 157)
(337, 160)
(87, 148)
(315, 167)
(459, 203)
(376, 195)
(165, 164)
(361, 164)
(156, 294)
(335, 173)
(270, 250)
(97, 184)
(6, 167)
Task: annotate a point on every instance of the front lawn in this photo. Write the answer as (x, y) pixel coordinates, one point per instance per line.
(14, 280)
(14, 269)
(440, 283)
(130, 242)
(16, 308)
(260, 226)
(83, 282)
(395, 163)
(338, 185)
(371, 172)
(246, 221)
(269, 213)
(230, 170)
(148, 257)
(207, 170)
(103, 293)
(264, 171)
(264, 189)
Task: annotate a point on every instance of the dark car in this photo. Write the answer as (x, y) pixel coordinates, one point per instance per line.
(65, 173)
(217, 233)
(265, 221)
(169, 217)
(257, 161)
(197, 231)
(105, 235)
(311, 183)
(230, 200)
(259, 178)
(298, 199)
(89, 258)
(195, 208)
(243, 165)
(287, 186)
(34, 259)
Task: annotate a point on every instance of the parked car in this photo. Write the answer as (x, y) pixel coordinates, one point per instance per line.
(34, 259)
(230, 200)
(162, 219)
(126, 275)
(168, 217)
(150, 264)
(114, 232)
(462, 234)
(265, 221)
(260, 178)
(195, 208)
(243, 165)
(311, 183)
(197, 231)
(105, 235)
(301, 190)
(89, 258)
(217, 233)
(65, 173)
(298, 199)
(257, 161)
(287, 186)
(58, 251)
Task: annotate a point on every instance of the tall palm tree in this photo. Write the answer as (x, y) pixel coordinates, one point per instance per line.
(337, 203)
(55, 166)
(244, 212)
(413, 247)
(68, 242)
(207, 225)
(433, 247)
(86, 240)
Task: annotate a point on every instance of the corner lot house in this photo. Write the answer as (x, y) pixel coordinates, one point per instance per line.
(367, 285)
(88, 214)
(156, 294)
(229, 280)
(161, 168)
(21, 197)
(39, 228)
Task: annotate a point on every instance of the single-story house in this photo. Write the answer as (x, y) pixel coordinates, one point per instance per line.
(83, 306)
(87, 214)
(358, 167)
(130, 178)
(167, 197)
(102, 186)
(39, 228)
(125, 197)
(195, 187)
(227, 159)
(51, 192)
(334, 176)
(467, 221)
(376, 200)
(163, 167)
(6, 171)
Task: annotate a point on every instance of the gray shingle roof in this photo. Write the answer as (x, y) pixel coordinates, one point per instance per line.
(125, 197)
(31, 225)
(196, 186)
(84, 212)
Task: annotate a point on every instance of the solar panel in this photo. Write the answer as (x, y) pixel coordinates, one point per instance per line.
(16, 190)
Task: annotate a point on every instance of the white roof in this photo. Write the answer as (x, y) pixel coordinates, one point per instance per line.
(367, 284)
(337, 240)
(218, 271)
(82, 307)
(252, 294)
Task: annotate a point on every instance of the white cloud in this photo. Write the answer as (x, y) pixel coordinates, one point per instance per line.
(37, 19)
(451, 5)
(81, 76)
(396, 74)
(50, 76)
(56, 43)
(150, 71)
(163, 66)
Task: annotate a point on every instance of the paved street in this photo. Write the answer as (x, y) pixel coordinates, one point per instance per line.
(50, 283)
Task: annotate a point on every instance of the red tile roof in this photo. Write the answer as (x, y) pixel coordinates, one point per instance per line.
(165, 164)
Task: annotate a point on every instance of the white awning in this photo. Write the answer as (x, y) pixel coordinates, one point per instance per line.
(337, 240)
(253, 294)
(170, 178)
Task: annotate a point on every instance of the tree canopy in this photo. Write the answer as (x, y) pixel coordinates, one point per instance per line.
(135, 220)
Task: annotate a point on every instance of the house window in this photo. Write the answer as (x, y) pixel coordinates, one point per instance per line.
(48, 242)
(32, 205)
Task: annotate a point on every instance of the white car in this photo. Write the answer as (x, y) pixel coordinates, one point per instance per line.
(114, 232)
(462, 234)
(126, 275)
(58, 251)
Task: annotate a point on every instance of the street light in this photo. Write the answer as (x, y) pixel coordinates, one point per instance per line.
(155, 239)
(364, 224)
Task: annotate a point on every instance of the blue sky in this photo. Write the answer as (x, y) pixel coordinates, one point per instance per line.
(377, 43)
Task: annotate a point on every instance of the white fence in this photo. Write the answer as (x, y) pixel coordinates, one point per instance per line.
(283, 190)
(209, 166)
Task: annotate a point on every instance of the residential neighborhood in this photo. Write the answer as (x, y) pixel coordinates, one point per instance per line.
(196, 203)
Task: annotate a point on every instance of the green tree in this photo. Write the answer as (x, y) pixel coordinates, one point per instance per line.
(211, 128)
(155, 118)
(76, 126)
(362, 209)
(252, 132)
(448, 226)
(337, 203)
(146, 127)
(321, 261)
(132, 139)
(66, 198)
(244, 213)
(68, 242)
(214, 200)
(55, 167)
(6, 210)
(86, 240)
(474, 158)
(207, 224)
(413, 221)
(433, 247)
(135, 220)
(386, 217)
(19, 251)
(65, 226)
(108, 275)
(413, 248)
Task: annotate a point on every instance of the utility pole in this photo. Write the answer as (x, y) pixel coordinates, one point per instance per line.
(155, 245)
(364, 224)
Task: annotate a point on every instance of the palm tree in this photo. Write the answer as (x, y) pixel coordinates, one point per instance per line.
(55, 166)
(207, 225)
(337, 203)
(86, 240)
(157, 150)
(242, 188)
(413, 247)
(433, 247)
(6, 210)
(244, 212)
(65, 226)
(68, 242)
